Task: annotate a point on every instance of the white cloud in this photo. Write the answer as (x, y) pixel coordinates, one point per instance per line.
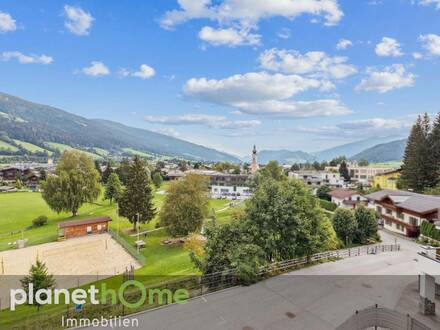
(284, 33)
(219, 122)
(417, 55)
(170, 131)
(264, 93)
(96, 69)
(374, 123)
(7, 23)
(26, 59)
(314, 63)
(78, 21)
(388, 47)
(431, 42)
(145, 72)
(430, 2)
(247, 13)
(228, 37)
(392, 77)
(343, 44)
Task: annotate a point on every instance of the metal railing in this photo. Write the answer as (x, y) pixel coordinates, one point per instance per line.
(128, 247)
(375, 316)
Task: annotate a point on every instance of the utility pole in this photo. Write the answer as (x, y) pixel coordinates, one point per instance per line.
(137, 233)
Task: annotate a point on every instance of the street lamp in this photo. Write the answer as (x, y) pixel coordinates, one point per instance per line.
(137, 244)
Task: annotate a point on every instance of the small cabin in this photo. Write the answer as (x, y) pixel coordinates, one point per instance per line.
(84, 227)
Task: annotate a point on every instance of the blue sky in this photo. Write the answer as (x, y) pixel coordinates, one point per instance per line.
(291, 74)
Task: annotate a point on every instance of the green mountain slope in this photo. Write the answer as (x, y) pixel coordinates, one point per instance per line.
(284, 156)
(385, 152)
(39, 124)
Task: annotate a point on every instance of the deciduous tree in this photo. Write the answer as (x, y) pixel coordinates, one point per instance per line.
(345, 225)
(76, 182)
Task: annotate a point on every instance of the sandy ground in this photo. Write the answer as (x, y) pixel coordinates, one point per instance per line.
(73, 262)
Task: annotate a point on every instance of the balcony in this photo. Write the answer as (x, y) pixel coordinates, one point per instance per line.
(429, 260)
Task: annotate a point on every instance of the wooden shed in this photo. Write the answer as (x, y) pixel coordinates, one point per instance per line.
(76, 228)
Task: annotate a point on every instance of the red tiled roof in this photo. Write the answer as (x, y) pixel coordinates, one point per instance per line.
(342, 193)
(74, 223)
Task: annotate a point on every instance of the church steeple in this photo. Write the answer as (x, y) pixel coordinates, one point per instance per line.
(254, 165)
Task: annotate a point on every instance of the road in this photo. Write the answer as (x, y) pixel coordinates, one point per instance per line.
(319, 297)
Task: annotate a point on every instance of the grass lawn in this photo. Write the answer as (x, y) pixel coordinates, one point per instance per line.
(8, 147)
(136, 152)
(31, 147)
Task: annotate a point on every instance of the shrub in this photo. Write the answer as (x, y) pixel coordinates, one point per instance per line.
(40, 221)
(326, 205)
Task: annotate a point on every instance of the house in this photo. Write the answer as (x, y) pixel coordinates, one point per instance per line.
(318, 178)
(387, 180)
(347, 198)
(362, 174)
(404, 211)
(9, 174)
(77, 228)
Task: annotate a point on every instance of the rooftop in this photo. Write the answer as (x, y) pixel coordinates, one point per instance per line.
(408, 200)
(74, 223)
(342, 193)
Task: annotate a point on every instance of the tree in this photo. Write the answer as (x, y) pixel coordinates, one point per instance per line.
(435, 149)
(366, 223)
(157, 179)
(345, 225)
(295, 167)
(185, 206)
(113, 188)
(98, 167)
(123, 170)
(337, 161)
(136, 202)
(183, 165)
(418, 168)
(316, 166)
(363, 162)
(106, 174)
(323, 192)
(343, 171)
(195, 244)
(75, 182)
(43, 174)
(273, 171)
(327, 238)
(282, 219)
(40, 278)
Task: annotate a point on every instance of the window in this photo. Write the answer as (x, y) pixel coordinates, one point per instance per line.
(398, 226)
(99, 227)
(89, 229)
(388, 222)
(379, 209)
(413, 221)
(388, 211)
(400, 215)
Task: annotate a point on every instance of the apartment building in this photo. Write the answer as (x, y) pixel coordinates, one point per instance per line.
(403, 211)
(362, 174)
(318, 178)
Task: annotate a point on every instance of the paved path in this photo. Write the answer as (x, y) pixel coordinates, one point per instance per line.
(299, 300)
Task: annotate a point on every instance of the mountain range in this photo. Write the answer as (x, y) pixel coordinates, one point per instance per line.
(385, 152)
(24, 123)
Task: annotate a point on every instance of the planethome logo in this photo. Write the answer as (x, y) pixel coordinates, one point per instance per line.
(96, 296)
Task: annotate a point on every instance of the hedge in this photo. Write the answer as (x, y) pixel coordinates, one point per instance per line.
(329, 206)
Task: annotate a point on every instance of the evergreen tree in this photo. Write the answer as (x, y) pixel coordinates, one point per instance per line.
(136, 202)
(435, 149)
(157, 179)
(343, 171)
(113, 188)
(40, 278)
(417, 169)
(123, 170)
(98, 167)
(106, 174)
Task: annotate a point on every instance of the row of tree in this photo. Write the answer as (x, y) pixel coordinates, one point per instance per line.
(421, 163)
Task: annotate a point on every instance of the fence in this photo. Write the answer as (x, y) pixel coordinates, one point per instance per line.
(383, 317)
(196, 286)
(129, 248)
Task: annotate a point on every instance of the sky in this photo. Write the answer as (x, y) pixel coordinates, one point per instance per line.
(282, 74)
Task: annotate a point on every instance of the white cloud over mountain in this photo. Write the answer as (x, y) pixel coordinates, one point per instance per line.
(388, 47)
(78, 21)
(26, 59)
(391, 77)
(7, 23)
(262, 93)
(220, 122)
(314, 63)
